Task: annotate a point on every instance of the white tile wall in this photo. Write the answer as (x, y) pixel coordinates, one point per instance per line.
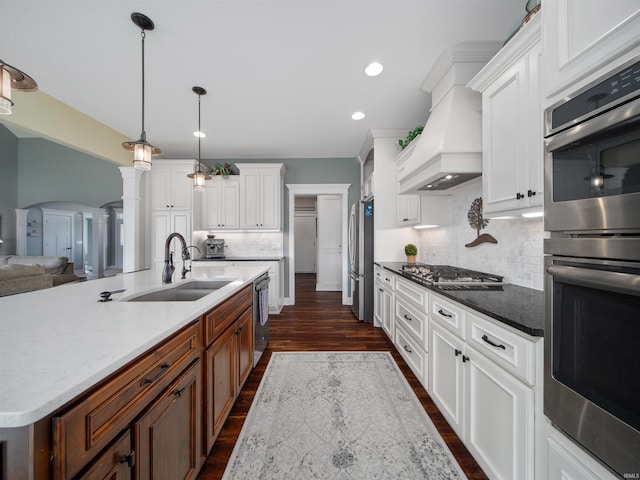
(517, 256)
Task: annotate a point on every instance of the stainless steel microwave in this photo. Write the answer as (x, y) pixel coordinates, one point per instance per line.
(592, 156)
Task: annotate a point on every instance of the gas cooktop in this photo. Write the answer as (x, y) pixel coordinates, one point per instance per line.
(452, 278)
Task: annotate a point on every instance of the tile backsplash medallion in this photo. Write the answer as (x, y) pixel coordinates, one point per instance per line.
(517, 256)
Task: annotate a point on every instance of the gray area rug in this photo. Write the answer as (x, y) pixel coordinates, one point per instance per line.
(338, 415)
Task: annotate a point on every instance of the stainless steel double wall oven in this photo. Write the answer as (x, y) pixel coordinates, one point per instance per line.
(592, 262)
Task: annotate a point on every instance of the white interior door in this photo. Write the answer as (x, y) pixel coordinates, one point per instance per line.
(57, 234)
(329, 274)
(305, 243)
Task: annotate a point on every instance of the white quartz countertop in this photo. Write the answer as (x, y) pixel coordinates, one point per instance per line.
(59, 342)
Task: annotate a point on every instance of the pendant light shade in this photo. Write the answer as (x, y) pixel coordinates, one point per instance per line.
(199, 176)
(13, 79)
(142, 150)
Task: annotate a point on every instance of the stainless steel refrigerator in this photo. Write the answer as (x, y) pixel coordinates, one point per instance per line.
(360, 251)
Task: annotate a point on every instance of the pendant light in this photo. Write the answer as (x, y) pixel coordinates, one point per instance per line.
(13, 79)
(142, 150)
(199, 177)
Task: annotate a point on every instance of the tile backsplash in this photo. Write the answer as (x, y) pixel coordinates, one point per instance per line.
(247, 245)
(517, 256)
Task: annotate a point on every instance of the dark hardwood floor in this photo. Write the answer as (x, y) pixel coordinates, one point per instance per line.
(318, 321)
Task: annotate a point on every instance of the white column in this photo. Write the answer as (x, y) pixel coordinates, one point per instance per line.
(133, 221)
(21, 231)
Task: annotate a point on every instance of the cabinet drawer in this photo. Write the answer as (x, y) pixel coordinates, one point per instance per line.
(82, 432)
(511, 351)
(414, 293)
(219, 318)
(447, 314)
(384, 278)
(414, 355)
(412, 320)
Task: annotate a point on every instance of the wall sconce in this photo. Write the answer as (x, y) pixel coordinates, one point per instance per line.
(13, 79)
(142, 150)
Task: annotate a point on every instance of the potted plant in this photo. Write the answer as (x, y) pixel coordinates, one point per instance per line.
(410, 250)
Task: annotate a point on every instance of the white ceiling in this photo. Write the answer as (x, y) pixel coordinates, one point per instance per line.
(283, 77)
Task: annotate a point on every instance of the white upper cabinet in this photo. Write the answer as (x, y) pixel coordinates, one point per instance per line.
(170, 186)
(261, 196)
(408, 210)
(583, 36)
(512, 125)
(221, 204)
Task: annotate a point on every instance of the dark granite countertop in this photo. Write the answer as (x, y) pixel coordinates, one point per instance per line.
(519, 307)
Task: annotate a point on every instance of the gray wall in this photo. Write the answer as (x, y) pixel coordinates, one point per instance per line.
(48, 172)
(310, 170)
(8, 190)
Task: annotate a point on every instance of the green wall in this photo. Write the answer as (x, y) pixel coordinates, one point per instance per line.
(8, 190)
(48, 172)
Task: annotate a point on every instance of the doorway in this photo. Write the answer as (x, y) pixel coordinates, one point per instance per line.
(342, 192)
(305, 234)
(57, 232)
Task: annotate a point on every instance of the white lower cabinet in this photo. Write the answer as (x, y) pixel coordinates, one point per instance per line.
(383, 301)
(489, 408)
(500, 419)
(413, 354)
(483, 376)
(446, 382)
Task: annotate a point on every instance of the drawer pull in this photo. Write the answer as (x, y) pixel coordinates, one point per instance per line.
(407, 349)
(381, 290)
(407, 317)
(457, 352)
(486, 339)
(163, 368)
(130, 459)
(465, 359)
(387, 279)
(178, 393)
(444, 314)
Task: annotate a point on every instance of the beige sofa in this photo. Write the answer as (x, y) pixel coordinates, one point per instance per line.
(21, 273)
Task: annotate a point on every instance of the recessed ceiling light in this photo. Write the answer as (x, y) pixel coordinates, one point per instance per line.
(199, 134)
(358, 116)
(373, 69)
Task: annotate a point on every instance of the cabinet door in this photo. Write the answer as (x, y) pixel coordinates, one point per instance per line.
(168, 435)
(181, 187)
(211, 206)
(408, 210)
(388, 321)
(503, 106)
(249, 201)
(270, 199)
(160, 229)
(581, 37)
(500, 420)
(160, 188)
(113, 463)
(220, 382)
(244, 332)
(229, 206)
(535, 130)
(446, 379)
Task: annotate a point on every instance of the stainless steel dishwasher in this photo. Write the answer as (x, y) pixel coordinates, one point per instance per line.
(260, 316)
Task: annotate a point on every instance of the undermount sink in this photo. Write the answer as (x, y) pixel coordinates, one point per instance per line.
(183, 292)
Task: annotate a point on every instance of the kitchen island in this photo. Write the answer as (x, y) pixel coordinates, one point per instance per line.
(56, 345)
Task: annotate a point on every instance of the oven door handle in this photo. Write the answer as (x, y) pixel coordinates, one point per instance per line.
(613, 281)
(617, 116)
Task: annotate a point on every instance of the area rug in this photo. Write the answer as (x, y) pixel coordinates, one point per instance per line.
(338, 415)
